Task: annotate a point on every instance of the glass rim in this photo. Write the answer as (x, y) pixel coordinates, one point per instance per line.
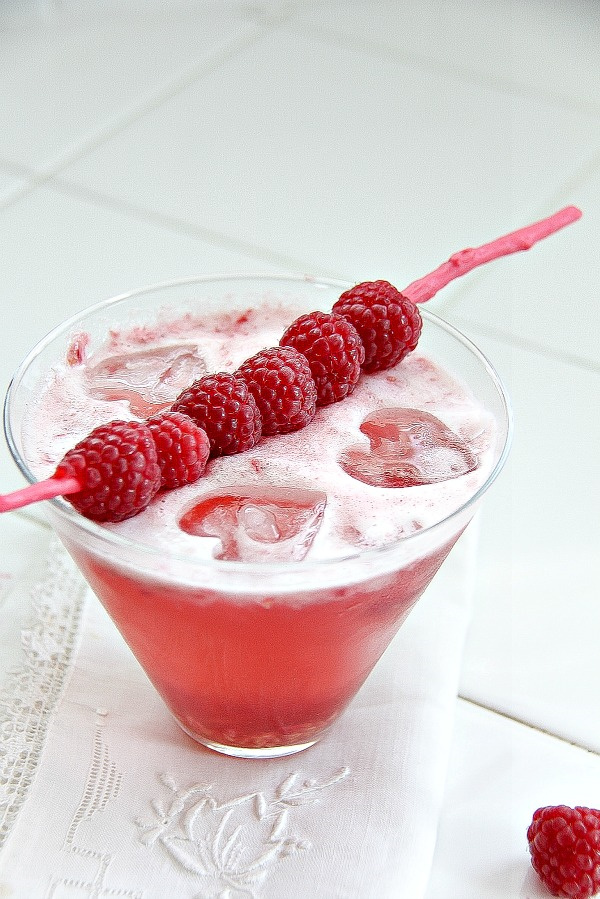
(112, 539)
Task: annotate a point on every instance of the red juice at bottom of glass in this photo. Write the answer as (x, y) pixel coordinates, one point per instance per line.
(257, 671)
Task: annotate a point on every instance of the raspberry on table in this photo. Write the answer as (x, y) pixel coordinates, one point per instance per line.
(564, 844)
(334, 351)
(182, 448)
(117, 469)
(281, 382)
(223, 406)
(389, 324)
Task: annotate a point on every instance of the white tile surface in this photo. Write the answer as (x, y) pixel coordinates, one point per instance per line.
(347, 161)
(9, 184)
(548, 49)
(500, 773)
(92, 68)
(532, 650)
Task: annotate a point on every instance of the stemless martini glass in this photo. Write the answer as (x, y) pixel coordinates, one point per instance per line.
(254, 659)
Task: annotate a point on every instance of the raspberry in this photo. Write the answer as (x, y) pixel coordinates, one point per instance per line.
(389, 324)
(117, 468)
(565, 849)
(222, 405)
(334, 351)
(182, 448)
(282, 385)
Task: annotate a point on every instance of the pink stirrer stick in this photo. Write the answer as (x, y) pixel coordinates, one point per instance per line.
(462, 262)
(34, 493)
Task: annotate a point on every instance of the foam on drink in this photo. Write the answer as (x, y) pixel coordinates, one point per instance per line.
(329, 490)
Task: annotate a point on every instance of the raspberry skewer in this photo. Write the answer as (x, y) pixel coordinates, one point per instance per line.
(388, 320)
(462, 262)
(114, 472)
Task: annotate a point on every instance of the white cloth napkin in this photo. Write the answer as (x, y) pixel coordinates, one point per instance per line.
(102, 795)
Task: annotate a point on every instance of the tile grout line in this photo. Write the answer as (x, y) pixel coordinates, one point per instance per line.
(523, 343)
(505, 85)
(265, 22)
(523, 721)
(196, 71)
(16, 169)
(184, 228)
(227, 242)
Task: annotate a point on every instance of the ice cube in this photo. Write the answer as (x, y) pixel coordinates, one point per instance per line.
(270, 524)
(259, 523)
(407, 448)
(149, 379)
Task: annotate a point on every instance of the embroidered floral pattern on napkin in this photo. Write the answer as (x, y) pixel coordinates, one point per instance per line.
(232, 843)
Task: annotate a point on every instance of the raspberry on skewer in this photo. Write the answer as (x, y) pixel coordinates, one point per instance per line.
(182, 448)
(223, 406)
(334, 351)
(389, 324)
(110, 475)
(114, 472)
(282, 385)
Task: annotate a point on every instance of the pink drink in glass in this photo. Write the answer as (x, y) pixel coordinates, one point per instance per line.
(257, 674)
(259, 599)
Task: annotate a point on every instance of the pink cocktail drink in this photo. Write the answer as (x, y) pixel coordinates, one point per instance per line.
(265, 674)
(259, 598)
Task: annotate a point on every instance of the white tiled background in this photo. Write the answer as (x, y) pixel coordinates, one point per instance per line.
(148, 139)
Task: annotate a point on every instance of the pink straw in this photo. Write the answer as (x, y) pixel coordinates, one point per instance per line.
(34, 493)
(462, 262)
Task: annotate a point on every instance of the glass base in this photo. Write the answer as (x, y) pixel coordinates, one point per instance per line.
(244, 752)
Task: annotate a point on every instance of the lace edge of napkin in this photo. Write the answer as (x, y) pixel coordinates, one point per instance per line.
(33, 690)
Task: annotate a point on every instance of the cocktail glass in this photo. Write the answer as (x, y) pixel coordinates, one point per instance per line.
(254, 659)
